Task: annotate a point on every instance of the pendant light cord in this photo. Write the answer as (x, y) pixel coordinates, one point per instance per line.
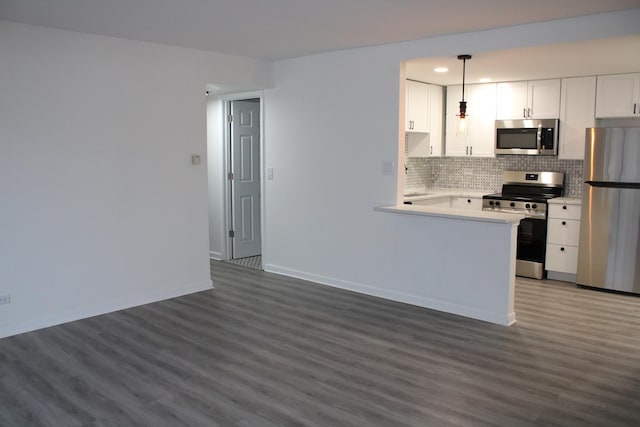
(464, 67)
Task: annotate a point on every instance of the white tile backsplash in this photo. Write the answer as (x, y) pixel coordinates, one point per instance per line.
(485, 173)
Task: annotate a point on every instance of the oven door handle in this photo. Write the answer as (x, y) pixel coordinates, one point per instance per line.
(539, 139)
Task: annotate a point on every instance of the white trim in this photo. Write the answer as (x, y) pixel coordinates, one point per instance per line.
(215, 255)
(430, 303)
(102, 308)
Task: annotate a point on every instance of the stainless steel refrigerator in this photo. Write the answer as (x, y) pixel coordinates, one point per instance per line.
(609, 253)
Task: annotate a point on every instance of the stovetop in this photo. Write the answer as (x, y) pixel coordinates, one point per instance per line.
(525, 193)
(518, 198)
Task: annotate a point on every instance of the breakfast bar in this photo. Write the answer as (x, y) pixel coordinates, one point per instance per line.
(454, 260)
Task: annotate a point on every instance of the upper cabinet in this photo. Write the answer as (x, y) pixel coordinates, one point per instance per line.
(436, 120)
(618, 96)
(417, 108)
(424, 119)
(478, 141)
(536, 99)
(577, 105)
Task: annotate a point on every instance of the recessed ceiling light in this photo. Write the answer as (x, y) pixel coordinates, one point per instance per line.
(485, 80)
(441, 69)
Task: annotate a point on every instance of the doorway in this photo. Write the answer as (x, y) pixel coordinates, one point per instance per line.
(244, 181)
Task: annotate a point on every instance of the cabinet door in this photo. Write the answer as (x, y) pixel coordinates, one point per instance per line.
(511, 101)
(455, 144)
(471, 203)
(417, 144)
(417, 110)
(482, 119)
(618, 96)
(577, 113)
(437, 202)
(563, 259)
(543, 98)
(565, 211)
(563, 232)
(436, 128)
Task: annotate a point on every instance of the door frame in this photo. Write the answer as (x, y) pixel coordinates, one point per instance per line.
(226, 153)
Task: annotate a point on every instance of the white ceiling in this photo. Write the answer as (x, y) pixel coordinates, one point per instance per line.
(604, 56)
(277, 29)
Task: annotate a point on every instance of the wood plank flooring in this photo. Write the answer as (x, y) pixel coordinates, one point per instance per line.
(266, 350)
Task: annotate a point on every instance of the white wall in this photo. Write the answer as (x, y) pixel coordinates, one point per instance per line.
(100, 206)
(332, 119)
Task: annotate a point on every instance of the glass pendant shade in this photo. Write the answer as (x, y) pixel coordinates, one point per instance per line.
(462, 128)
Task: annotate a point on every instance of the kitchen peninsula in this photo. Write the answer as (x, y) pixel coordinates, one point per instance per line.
(484, 243)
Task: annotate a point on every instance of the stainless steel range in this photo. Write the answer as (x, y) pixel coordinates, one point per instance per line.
(526, 193)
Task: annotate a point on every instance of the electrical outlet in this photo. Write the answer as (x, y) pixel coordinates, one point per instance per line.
(5, 299)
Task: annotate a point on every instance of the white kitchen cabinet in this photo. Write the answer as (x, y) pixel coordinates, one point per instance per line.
(425, 137)
(481, 107)
(563, 238)
(417, 107)
(436, 120)
(535, 99)
(618, 95)
(439, 202)
(471, 203)
(577, 112)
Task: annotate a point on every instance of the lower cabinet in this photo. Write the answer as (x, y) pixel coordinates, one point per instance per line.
(448, 201)
(563, 238)
(472, 203)
(439, 202)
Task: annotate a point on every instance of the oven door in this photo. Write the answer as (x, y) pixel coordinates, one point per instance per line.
(532, 242)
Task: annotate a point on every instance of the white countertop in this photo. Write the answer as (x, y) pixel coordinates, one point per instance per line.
(451, 213)
(566, 201)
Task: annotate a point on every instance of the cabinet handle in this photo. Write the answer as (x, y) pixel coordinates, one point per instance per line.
(524, 113)
(467, 150)
(430, 150)
(529, 112)
(561, 249)
(471, 150)
(468, 200)
(564, 222)
(564, 207)
(634, 107)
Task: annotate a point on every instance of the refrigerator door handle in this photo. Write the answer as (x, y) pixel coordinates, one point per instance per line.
(612, 184)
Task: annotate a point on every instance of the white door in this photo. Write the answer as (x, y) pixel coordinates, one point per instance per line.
(245, 178)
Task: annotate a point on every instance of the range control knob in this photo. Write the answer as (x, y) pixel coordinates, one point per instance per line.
(491, 203)
(497, 203)
(527, 206)
(512, 204)
(534, 206)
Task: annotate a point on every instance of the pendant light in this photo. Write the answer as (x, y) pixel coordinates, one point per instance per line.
(462, 116)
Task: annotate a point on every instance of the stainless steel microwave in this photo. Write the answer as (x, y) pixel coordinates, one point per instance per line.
(527, 137)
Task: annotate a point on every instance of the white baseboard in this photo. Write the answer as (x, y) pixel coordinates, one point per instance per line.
(430, 303)
(98, 309)
(215, 255)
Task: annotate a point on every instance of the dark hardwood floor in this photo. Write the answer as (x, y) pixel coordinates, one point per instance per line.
(266, 350)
